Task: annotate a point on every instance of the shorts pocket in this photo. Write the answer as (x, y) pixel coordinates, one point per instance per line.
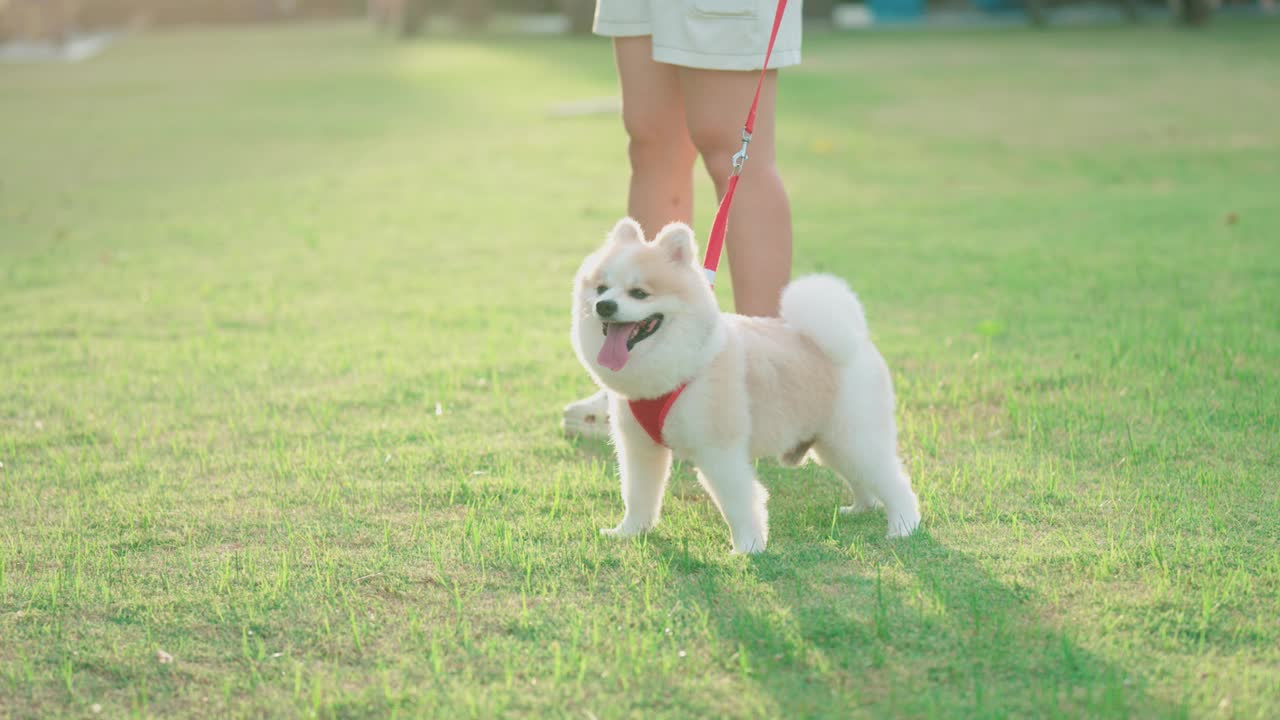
(745, 9)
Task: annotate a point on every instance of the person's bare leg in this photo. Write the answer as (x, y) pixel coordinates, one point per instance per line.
(661, 155)
(659, 147)
(759, 237)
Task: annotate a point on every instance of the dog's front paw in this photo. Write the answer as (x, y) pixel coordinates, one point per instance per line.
(748, 546)
(623, 531)
(903, 525)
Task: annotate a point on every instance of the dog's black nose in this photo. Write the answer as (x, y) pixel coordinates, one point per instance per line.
(606, 308)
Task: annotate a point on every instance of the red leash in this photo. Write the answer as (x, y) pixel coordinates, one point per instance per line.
(715, 241)
(652, 413)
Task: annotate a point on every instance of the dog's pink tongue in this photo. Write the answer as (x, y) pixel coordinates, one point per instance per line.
(614, 353)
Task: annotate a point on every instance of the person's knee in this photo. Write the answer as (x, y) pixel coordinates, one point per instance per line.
(655, 141)
(719, 164)
(716, 143)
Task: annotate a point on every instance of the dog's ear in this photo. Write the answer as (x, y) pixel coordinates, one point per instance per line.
(626, 231)
(676, 240)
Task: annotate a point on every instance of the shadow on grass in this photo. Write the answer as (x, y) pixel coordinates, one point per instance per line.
(834, 618)
(910, 627)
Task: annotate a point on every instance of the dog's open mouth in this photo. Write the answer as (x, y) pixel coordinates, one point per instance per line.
(621, 337)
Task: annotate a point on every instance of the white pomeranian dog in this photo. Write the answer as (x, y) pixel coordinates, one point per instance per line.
(720, 390)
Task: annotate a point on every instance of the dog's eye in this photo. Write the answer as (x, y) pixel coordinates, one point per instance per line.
(638, 294)
(601, 289)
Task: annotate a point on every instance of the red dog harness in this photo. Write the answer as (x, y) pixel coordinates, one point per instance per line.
(651, 413)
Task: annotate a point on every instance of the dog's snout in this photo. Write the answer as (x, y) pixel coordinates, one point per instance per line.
(606, 308)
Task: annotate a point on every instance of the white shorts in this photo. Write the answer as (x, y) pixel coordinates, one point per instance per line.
(706, 34)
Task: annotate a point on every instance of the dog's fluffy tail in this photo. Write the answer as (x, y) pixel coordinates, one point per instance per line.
(823, 308)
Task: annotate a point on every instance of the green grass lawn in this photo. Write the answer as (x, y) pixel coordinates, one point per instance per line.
(284, 342)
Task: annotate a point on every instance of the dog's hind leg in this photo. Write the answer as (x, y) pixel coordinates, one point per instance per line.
(864, 500)
(872, 469)
(731, 481)
(836, 459)
(861, 443)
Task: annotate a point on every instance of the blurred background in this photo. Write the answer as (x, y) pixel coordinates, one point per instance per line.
(59, 21)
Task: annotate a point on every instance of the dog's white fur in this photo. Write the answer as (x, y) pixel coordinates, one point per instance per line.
(757, 387)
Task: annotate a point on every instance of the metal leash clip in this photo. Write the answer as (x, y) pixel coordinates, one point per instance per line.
(740, 157)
